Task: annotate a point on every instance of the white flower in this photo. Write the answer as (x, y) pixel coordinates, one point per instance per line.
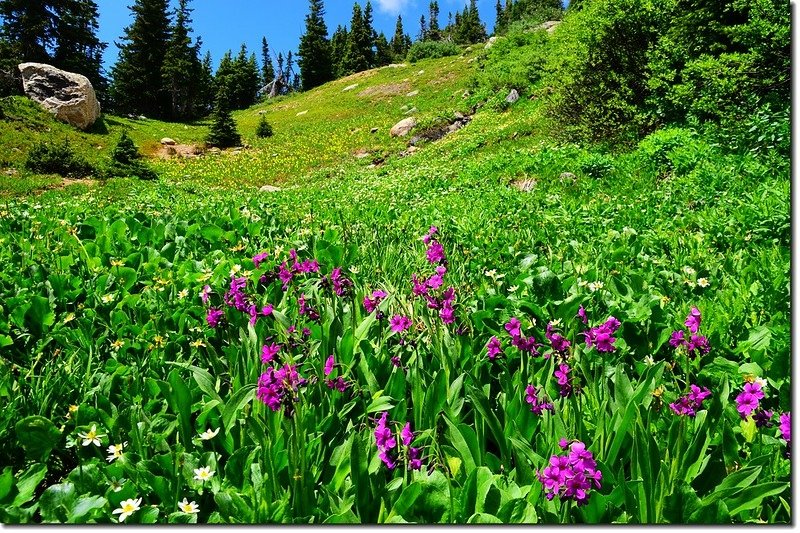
(649, 361)
(762, 382)
(203, 474)
(689, 271)
(595, 286)
(91, 438)
(107, 298)
(209, 434)
(115, 452)
(183, 294)
(127, 508)
(236, 269)
(702, 282)
(188, 507)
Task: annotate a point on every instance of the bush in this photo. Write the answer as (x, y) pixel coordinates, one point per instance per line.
(264, 128)
(432, 50)
(61, 159)
(126, 161)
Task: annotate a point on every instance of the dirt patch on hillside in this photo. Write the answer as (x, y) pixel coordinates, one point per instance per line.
(187, 151)
(388, 89)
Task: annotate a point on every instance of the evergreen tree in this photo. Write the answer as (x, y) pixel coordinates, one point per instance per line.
(76, 45)
(183, 70)
(243, 80)
(338, 50)
(398, 43)
(267, 69)
(434, 33)
(423, 29)
(280, 72)
(223, 133)
(359, 42)
(500, 18)
(137, 85)
(370, 36)
(383, 51)
(206, 84)
(29, 27)
(315, 62)
(289, 67)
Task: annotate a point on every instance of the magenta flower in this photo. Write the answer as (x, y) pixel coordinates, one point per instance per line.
(258, 259)
(341, 284)
(268, 353)
(447, 314)
(689, 404)
(538, 405)
(431, 232)
(601, 337)
(693, 320)
(414, 458)
(407, 436)
(384, 437)
(278, 388)
(399, 323)
(513, 327)
(339, 384)
(493, 349)
(435, 281)
(763, 418)
(676, 339)
(370, 304)
(562, 376)
(420, 286)
(204, 294)
(329, 365)
(267, 310)
(435, 253)
(582, 315)
(571, 476)
(285, 275)
(214, 317)
(559, 343)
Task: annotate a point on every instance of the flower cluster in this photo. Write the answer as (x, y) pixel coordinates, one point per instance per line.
(747, 402)
(538, 404)
(696, 343)
(338, 383)
(306, 310)
(494, 348)
(278, 388)
(371, 304)
(518, 340)
(389, 451)
(341, 285)
(399, 323)
(689, 404)
(785, 430)
(571, 476)
(286, 273)
(602, 336)
(559, 344)
(426, 287)
(564, 380)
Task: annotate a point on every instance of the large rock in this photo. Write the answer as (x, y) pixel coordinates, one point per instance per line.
(512, 97)
(68, 96)
(402, 128)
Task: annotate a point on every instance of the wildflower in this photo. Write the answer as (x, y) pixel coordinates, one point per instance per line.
(419, 286)
(431, 232)
(702, 282)
(571, 476)
(595, 286)
(197, 344)
(693, 320)
(370, 304)
(399, 323)
(407, 436)
(235, 270)
(329, 365)
(339, 384)
(260, 258)
(396, 362)
(747, 400)
(763, 418)
(92, 437)
(563, 380)
(284, 275)
(188, 507)
(214, 317)
(204, 294)
(538, 405)
(676, 339)
(513, 327)
(601, 337)
(279, 387)
(582, 314)
(127, 508)
(107, 298)
(563, 443)
(69, 318)
(435, 281)
(209, 434)
(384, 438)
(435, 253)
(689, 404)
(115, 452)
(559, 343)
(414, 458)
(649, 361)
(341, 284)
(117, 263)
(697, 343)
(785, 427)
(203, 474)
(117, 344)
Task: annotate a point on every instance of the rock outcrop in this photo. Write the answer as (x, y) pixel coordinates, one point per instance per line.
(68, 96)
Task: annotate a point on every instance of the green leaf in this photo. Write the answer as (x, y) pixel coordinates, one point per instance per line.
(751, 497)
(483, 518)
(5, 340)
(347, 517)
(380, 404)
(85, 505)
(27, 484)
(236, 403)
(460, 444)
(406, 500)
(55, 502)
(182, 404)
(38, 436)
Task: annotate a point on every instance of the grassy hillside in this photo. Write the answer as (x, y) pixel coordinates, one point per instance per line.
(118, 312)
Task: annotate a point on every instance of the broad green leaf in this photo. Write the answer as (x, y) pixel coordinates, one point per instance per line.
(38, 436)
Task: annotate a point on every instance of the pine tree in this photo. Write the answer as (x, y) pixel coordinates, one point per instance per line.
(76, 46)
(500, 18)
(183, 70)
(356, 57)
(338, 50)
(223, 133)
(206, 84)
(29, 26)
(383, 51)
(241, 78)
(423, 29)
(434, 33)
(370, 36)
(315, 62)
(267, 69)
(399, 40)
(137, 85)
(289, 67)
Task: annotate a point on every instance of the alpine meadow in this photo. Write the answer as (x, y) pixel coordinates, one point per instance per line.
(521, 265)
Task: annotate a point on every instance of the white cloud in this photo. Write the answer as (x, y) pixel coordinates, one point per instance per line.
(392, 6)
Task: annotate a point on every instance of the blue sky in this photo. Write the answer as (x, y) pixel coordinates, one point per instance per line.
(225, 25)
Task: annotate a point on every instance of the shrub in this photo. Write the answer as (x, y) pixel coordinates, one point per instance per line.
(61, 159)
(223, 132)
(264, 128)
(432, 50)
(126, 161)
(594, 165)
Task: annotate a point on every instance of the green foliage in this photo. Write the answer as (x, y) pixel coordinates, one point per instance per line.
(432, 50)
(126, 161)
(223, 132)
(57, 158)
(315, 49)
(264, 128)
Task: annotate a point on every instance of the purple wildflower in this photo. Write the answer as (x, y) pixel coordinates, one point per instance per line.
(559, 343)
(689, 404)
(279, 387)
(214, 317)
(435, 253)
(693, 320)
(493, 349)
(329, 363)
(562, 377)
(697, 344)
(747, 400)
(370, 304)
(435, 281)
(285, 275)
(676, 339)
(339, 384)
(763, 418)
(399, 323)
(204, 294)
(258, 259)
(571, 476)
(268, 352)
(407, 436)
(414, 458)
(582, 315)
(420, 286)
(513, 327)
(538, 405)
(340, 283)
